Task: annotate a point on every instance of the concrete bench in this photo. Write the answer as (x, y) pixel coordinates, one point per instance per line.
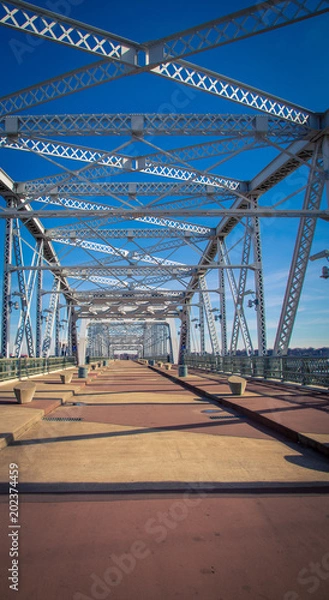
(237, 385)
(66, 377)
(24, 392)
(168, 366)
(93, 367)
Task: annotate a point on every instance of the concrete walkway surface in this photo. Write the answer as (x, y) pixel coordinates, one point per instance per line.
(299, 413)
(133, 486)
(50, 394)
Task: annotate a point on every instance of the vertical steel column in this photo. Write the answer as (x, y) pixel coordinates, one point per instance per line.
(57, 330)
(209, 316)
(235, 296)
(188, 333)
(201, 320)
(6, 295)
(259, 283)
(312, 201)
(173, 345)
(70, 311)
(25, 292)
(74, 334)
(184, 333)
(51, 318)
(82, 344)
(164, 340)
(144, 354)
(325, 153)
(239, 321)
(222, 297)
(158, 339)
(38, 332)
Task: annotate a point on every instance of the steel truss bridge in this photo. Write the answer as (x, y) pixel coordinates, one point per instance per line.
(144, 232)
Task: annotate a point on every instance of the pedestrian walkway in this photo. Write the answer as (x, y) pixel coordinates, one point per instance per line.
(301, 414)
(130, 426)
(49, 395)
(132, 486)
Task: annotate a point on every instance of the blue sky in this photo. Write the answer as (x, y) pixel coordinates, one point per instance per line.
(291, 62)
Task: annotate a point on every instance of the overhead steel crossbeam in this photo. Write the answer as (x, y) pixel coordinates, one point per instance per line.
(57, 28)
(93, 209)
(206, 199)
(133, 298)
(221, 147)
(134, 311)
(103, 295)
(120, 285)
(84, 238)
(242, 24)
(122, 233)
(130, 256)
(147, 283)
(225, 125)
(64, 85)
(134, 269)
(116, 161)
(34, 189)
(239, 25)
(139, 213)
(230, 89)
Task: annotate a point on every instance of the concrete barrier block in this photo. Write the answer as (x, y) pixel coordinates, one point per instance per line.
(24, 392)
(237, 385)
(66, 377)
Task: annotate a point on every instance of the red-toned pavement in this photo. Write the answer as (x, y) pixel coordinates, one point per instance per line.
(301, 414)
(181, 547)
(162, 494)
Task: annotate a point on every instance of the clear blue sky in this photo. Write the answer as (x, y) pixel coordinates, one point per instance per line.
(291, 62)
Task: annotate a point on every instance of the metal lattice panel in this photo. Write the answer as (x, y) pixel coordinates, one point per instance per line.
(119, 209)
(218, 125)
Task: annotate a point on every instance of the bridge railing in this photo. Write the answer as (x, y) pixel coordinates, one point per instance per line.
(302, 369)
(18, 368)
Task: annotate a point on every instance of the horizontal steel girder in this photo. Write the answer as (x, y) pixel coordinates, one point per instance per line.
(111, 162)
(121, 233)
(229, 125)
(37, 188)
(136, 270)
(151, 220)
(55, 27)
(266, 211)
